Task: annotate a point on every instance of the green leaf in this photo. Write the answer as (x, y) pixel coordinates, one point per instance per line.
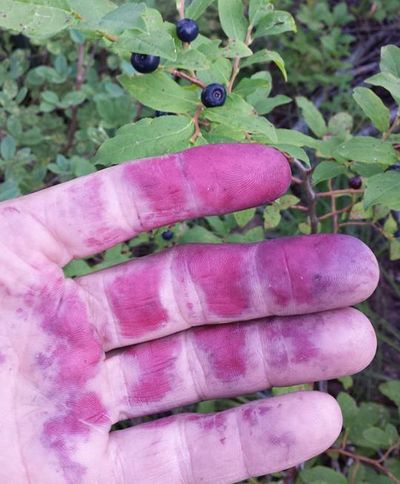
(50, 97)
(208, 406)
(236, 48)
(147, 137)
(274, 23)
(199, 233)
(77, 268)
(265, 106)
(312, 116)
(91, 12)
(158, 91)
(266, 55)
(395, 249)
(34, 20)
(349, 408)
(72, 98)
(257, 9)
(383, 189)
(127, 16)
(9, 189)
(373, 107)
(114, 111)
(390, 60)
(388, 81)
(196, 8)
(219, 71)
(391, 389)
(346, 381)
(378, 438)
(272, 216)
(244, 216)
(358, 212)
(154, 43)
(367, 150)
(295, 138)
(294, 151)
(340, 123)
(237, 113)
(322, 475)
(286, 202)
(232, 18)
(248, 85)
(326, 170)
(82, 167)
(8, 148)
(190, 59)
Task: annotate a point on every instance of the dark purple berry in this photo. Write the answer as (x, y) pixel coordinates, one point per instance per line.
(395, 167)
(396, 235)
(145, 63)
(213, 95)
(355, 182)
(167, 235)
(187, 30)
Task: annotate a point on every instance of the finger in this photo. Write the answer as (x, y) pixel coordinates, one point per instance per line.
(255, 439)
(239, 358)
(201, 284)
(95, 212)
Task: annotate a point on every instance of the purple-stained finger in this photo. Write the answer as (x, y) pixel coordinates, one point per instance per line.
(196, 284)
(95, 212)
(255, 439)
(239, 358)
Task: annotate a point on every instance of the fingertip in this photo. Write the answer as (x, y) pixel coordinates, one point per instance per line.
(329, 419)
(236, 176)
(364, 341)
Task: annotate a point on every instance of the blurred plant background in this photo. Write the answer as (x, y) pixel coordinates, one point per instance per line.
(320, 80)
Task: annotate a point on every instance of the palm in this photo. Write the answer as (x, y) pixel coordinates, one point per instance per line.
(64, 386)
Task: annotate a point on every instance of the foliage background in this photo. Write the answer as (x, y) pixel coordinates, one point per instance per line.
(318, 79)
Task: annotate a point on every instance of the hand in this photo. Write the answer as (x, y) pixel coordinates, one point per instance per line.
(78, 355)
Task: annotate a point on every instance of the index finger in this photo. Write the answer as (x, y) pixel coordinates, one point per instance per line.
(95, 212)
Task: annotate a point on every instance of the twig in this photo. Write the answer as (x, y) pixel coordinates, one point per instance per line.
(310, 196)
(296, 180)
(192, 79)
(371, 224)
(236, 60)
(338, 193)
(80, 77)
(332, 214)
(396, 122)
(373, 462)
(182, 9)
(333, 207)
(197, 131)
(300, 207)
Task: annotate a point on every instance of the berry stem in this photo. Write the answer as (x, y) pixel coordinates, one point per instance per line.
(182, 9)
(197, 131)
(192, 79)
(393, 126)
(236, 61)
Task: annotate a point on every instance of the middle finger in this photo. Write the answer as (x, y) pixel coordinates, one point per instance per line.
(197, 284)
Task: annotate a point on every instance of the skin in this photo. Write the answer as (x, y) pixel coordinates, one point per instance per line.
(191, 323)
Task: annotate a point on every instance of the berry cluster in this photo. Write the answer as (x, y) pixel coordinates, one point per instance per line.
(187, 30)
